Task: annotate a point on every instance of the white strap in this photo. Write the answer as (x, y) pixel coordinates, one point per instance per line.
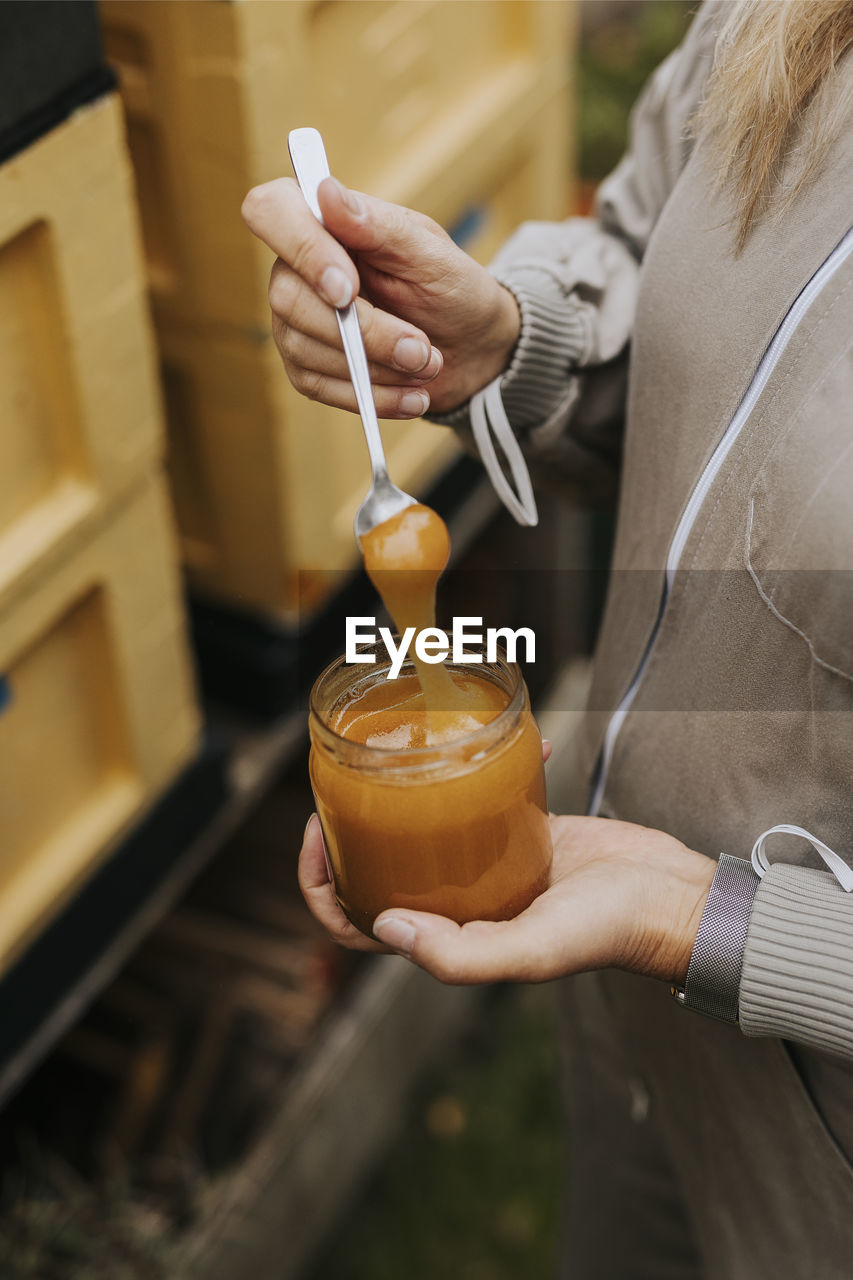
(839, 868)
(488, 417)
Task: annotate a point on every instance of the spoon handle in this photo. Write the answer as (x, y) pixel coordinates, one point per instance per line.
(308, 157)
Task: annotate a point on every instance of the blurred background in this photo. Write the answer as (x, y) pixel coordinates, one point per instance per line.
(193, 1080)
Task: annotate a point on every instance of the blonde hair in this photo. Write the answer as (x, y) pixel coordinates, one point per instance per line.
(772, 57)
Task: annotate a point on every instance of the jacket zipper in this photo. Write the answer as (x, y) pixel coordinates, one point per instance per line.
(768, 363)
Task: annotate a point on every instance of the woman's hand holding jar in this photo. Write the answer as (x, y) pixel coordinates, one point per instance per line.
(621, 896)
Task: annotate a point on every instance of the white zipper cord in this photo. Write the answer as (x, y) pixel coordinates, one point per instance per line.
(488, 418)
(839, 868)
(759, 381)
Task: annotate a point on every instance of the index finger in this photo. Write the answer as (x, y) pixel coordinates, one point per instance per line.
(277, 213)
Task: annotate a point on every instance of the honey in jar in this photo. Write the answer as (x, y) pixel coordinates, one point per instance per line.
(436, 808)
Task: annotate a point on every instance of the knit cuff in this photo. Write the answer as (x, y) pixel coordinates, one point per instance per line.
(797, 979)
(552, 341)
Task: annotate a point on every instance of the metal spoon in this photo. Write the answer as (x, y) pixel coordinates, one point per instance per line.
(384, 500)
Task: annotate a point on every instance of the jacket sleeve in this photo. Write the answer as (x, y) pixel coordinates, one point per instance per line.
(797, 977)
(576, 285)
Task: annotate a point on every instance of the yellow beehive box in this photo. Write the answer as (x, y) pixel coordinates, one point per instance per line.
(266, 483)
(212, 89)
(97, 712)
(79, 402)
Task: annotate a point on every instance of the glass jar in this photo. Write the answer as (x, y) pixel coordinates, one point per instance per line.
(459, 829)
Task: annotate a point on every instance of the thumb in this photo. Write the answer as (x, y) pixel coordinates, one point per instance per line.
(519, 950)
(391, 235)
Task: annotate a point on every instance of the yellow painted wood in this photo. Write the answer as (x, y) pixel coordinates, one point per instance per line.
(99, 711)
(211, 91)
(79, 401)
(460, 108)
(266, 483)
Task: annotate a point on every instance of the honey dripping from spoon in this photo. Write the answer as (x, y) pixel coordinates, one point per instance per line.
(404, 558)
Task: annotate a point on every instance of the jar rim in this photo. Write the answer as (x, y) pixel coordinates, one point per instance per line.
(421, 758)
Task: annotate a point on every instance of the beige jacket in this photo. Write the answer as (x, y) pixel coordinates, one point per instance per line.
(727, 658)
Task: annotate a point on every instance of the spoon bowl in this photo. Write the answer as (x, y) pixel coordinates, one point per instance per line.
(383, 501)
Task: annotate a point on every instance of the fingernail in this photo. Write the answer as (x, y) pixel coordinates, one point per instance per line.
(546, 742)
(312, 818)
(395, 932)
(335, 287)
(351, 200)
(436, 361)
(411, 354)
(414, 403)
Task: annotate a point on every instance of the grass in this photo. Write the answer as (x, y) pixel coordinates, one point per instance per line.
(56, 1226)
(616, 57)
(471, 1191)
